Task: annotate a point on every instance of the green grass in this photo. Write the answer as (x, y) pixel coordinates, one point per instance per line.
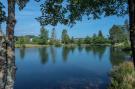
(123, 76)
(30, 45)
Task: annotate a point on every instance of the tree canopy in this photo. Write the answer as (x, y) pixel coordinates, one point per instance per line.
(65, 37)
(117, 34)
(43, 36)
(70, 11)
(2, 13)
(21, 3)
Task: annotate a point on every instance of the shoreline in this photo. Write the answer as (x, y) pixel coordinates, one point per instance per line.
(30, 45)
(66, 45)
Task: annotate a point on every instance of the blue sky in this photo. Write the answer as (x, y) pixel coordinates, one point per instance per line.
(27, 25)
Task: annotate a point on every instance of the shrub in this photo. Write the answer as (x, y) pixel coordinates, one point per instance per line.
(123, 76)
(57, 44)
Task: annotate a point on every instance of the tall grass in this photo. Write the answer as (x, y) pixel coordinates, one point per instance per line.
(123, 76)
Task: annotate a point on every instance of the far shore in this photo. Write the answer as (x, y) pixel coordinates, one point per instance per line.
(30, 46)
(67, 45)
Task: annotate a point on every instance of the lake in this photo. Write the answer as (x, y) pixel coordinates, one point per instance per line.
(66, 67)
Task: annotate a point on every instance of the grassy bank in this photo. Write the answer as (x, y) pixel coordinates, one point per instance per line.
(123, 76)
(58, 45)
(30, 45)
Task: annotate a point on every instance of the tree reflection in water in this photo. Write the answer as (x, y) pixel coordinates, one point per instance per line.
(80, 49)
(22, 53)
(97, 50)
(43, 55)
(72, 48)
(66, 50)
(53, 54)
(117, 56)
(65, 53)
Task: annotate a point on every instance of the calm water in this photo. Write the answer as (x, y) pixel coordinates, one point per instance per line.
(65, 68)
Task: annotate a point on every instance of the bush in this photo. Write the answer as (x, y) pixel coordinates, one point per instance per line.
(57, 44)
(123, 76)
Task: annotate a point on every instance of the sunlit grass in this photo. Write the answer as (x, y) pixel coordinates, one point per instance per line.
(123, 76)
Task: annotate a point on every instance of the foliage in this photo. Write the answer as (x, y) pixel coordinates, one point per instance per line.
(100, 34)
(99, 39)
(123, 76)
(43, 39)
(117, 34)
(58, 44)
(22, 40)
(87, 40)
(2, 13)
(80, 41)
(53, 37)
(70, 11)
(65, 37)
(36, 40)
(21, 3)
(72, 40)
(43, 36)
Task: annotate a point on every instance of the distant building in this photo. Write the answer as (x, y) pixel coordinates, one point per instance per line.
(31, 39)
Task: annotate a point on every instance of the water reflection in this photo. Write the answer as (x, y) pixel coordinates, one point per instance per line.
(80, 49)
(43, 55)
(53, 54)
(88, 49)
(79, 72)
(99, 50)
(65, 53)
(96, 50)
(22, 53)
(72, 48)
(117, 56)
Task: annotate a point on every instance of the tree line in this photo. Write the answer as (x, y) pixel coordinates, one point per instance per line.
(118, 35)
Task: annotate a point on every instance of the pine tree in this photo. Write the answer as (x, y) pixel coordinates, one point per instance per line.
(65, 37)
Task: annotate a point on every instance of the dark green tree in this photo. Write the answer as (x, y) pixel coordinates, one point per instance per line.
(87, 40)
(94, 38)
(80, 41)
(65, 37)
(43, 36)
(100, 34)
(21, 41)
(101, 39)
(53, 36)
(127, 33)
(72, 40)
(117, 34)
